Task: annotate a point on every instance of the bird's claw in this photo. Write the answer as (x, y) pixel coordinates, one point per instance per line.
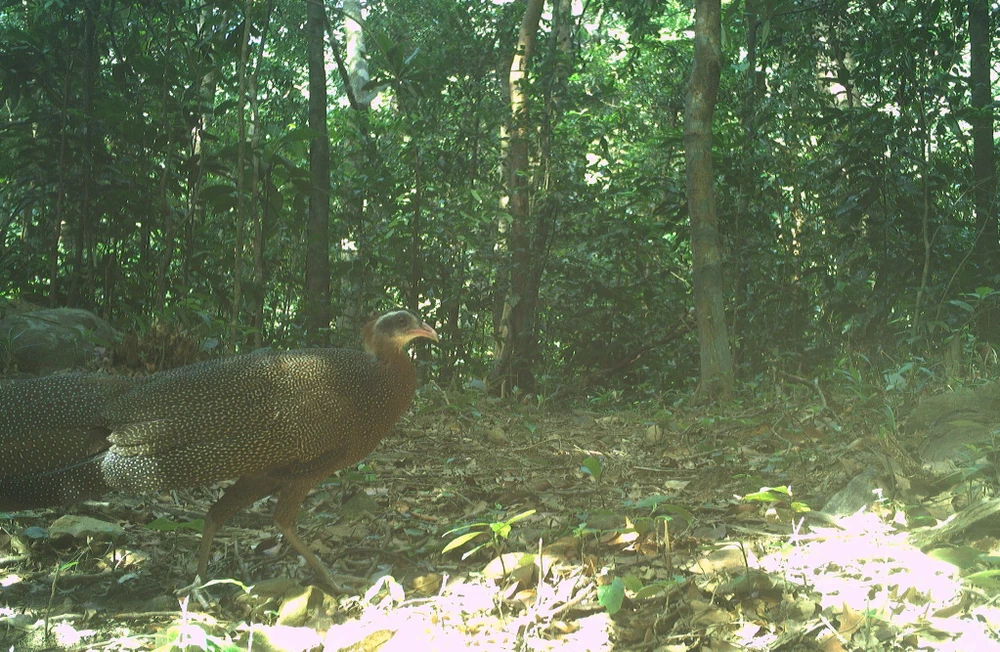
(195, 589)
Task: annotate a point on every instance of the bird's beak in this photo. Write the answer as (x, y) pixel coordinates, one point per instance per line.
(424, 331)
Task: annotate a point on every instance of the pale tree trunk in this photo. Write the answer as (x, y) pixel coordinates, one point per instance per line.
(317, 299)
(516, 331)
(354, 194)
(716, 360)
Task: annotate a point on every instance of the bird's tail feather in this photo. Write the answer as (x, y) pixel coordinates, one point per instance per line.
(80, 481)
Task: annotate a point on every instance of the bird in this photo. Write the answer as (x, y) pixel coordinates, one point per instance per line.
(276, 422)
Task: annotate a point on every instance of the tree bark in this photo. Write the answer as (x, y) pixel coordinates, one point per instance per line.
(517, 329)
(259, 208)
(165, 211)
(82, 283)
(983, 164)
(317, 299)
(353, 192)
(716, 359)
(239, 245)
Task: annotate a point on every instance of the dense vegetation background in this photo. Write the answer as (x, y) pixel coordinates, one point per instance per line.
(161, 165)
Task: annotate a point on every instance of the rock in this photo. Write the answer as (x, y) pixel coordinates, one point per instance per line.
(84, 527)
(301, 605)
(45, 341)
(360, 503)
(859, 493)
(956, 421)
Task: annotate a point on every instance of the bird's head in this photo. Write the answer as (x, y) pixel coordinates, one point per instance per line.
(389, 333)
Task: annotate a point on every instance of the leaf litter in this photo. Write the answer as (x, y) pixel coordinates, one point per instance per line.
(512, 527)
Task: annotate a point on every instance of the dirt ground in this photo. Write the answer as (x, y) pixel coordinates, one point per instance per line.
(605, 527)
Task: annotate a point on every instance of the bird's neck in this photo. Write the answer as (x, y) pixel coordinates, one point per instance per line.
(402, 378)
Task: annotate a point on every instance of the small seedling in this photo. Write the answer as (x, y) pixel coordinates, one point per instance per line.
(495, 532)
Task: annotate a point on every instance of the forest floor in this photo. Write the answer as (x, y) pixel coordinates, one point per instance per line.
(665, 528)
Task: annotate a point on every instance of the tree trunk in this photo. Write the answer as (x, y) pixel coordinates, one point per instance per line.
(317, 299)
(165, 212)
(517, 321)
(353, 191)
(239, 245)
(82, 283)
(716, 360)
(258, 209)
(983, 164)
(207, 85)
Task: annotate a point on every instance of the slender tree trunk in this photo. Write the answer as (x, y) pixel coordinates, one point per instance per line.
(317, 299)
(983, 164)
(742, 220)
(517, 329)
(239, 244)
(414, 286)
(207, 86)
(354, 192)
(257, 211)
(57, 219)
(82, 284)
(166, 212)
(716, 360)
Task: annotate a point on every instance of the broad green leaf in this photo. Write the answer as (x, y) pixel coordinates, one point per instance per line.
(611, 596)
(458, 541)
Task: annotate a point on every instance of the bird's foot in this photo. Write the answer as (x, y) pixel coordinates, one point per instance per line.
(196, 590)
(341, 585)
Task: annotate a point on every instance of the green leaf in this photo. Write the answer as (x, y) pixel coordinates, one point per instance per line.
(651, 502)
(632, 583)
(611, 596)
(458, 541)
(964, 557)
(769, 495)
(592, 465)
(501, 529)
(676, 511)
(521, 516)
(651, 590)
(989, 579)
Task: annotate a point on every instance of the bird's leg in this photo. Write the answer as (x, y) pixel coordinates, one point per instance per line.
(289, 501)
(242, 493)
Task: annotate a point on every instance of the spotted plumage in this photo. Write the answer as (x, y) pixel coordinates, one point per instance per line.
(279, 422)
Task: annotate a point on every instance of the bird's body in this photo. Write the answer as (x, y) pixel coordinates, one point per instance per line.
(278, 422)
(251, 414)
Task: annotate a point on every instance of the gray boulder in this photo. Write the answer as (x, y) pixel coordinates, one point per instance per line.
(53, 339)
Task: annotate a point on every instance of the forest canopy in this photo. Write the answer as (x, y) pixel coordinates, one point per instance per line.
(160, 166)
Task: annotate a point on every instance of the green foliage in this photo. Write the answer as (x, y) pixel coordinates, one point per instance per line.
(495, 534)
(776, 496)
(592, 466)
(185, 637)
(837, 134)
(611, 596)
